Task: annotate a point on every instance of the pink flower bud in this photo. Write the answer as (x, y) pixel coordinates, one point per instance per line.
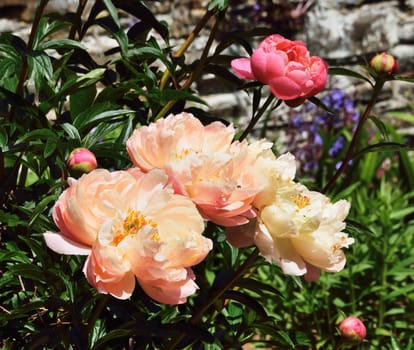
(81, 160)
(384, 63)
(352, 329)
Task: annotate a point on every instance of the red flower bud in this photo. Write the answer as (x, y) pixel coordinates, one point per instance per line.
(384, 63)
(81, 160)
(352, 328)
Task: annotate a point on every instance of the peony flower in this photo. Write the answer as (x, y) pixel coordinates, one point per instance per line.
(132, 227)
(299, 229)
(352, 328)
(202, 162)
(81, 160)
(286, 66)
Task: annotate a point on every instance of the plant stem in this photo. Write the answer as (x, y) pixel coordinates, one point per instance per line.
(382, 294)
(77, 19)
(215, 296)
(25, 64)
(94, 317)
(199, 67)
(183, 48)
(258, 115)
(379, 83)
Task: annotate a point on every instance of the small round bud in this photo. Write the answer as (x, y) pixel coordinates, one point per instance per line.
(80, 161)
(352, 328)
(384, 63)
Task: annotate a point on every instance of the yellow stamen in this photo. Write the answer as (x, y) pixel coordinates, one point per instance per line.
(183, 153)
(301, 201)
(133, 222)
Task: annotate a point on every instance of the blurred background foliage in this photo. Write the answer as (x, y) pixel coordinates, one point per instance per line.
(54, 97)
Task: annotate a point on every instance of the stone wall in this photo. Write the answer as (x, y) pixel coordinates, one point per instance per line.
(344, 32)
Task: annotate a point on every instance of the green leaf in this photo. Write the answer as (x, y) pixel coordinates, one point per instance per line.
(112, 11)
(99, 133)
(126, 132)
(37, 134)
(98, 113)
(46, 27)
(72, 132)
(348, 73)
(257, 286)
(139, 10)
(381, 147)
(30, 271)
(317, 102)
(50, 147)
(41, 206)
(11, 220)
(112, 335)
(401, 213)
(62, 44)
(395, 344)
(40, 70)
(74, 84)
(406, 162)
(150, 52)
(122, 39)
(404, 116)
(81, 99)
(246, 300)
(381, 126)
(401, 291)
(401, 78)
(3, 137)
(219, 4)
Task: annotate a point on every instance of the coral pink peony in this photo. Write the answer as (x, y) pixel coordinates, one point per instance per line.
(202, 162)
(132, 226)
(286, 66)
(352, 328)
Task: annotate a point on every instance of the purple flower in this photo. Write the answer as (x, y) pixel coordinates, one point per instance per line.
(337, 146)
(315, 123)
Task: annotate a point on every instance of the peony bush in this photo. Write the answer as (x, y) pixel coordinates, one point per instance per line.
(132, 218)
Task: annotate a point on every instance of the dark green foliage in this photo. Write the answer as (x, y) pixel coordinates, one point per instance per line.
(54, 97)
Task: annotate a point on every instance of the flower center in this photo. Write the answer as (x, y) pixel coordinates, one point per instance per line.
(183, 153)
(301, 201)
(133, 223)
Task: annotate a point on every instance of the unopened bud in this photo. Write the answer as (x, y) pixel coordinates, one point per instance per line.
(81, 160)
(352, 328)
(384, 63)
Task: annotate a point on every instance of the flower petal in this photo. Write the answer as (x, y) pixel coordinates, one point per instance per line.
(241, 66)
(63, 245)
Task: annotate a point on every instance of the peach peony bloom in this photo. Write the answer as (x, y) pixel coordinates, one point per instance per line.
(270, 172)
(286, 66)
(202, 162)
(302, 231)
(132, 226)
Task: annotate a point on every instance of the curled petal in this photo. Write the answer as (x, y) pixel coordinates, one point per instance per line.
(118, 283)
(241, 66)
(285, 88)
(170, 292)
(63, 245)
